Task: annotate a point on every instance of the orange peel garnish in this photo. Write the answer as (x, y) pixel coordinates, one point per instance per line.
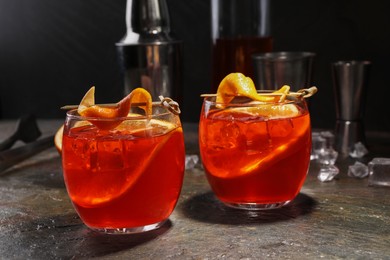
(143, 97)
(87, 101)
(284, 90)
(237, 85)
(87, 107)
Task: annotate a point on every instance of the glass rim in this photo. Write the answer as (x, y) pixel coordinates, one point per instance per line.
(351, 62)
(72, 114)
(252, 103)
(283, 55)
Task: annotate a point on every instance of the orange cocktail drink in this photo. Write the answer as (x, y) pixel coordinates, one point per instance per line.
(255, 154)
(124, 178)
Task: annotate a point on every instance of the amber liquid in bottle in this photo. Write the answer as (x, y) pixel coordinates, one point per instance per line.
(234, 55)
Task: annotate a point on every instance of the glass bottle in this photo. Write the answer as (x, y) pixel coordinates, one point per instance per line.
(240, 28)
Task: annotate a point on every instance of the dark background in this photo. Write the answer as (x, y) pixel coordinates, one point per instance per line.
(53, 51)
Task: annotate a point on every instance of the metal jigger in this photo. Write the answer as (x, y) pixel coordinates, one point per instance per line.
(149, 56)
(350, 80)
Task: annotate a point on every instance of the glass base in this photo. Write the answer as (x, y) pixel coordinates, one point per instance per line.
(256, 206)
(130, 230)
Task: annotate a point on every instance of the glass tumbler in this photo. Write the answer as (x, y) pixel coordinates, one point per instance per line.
(127, 179)
(255, 154)
(272, 70)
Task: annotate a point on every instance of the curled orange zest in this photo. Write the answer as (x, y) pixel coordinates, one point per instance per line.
(236, 84)
(87, 108)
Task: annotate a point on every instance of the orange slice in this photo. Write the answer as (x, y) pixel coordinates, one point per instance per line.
(58, 139)
(236, 84)
(60, 132)
(87, 108)
(142, 127)
(270, 111)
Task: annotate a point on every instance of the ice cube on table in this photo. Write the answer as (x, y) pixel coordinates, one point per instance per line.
(358, 170)
(327, 173)
(329, 138)
(322, 147)
(358, 150)
(191, 161)
(379, 172)
(327, 156)
(318, 144)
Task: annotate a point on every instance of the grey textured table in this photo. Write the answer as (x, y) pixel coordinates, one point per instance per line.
(344, 218)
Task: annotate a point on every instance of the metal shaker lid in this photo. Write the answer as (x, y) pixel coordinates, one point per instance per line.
(147, 22)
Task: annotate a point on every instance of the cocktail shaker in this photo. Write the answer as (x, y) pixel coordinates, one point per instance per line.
(149, 56)
(350, 80)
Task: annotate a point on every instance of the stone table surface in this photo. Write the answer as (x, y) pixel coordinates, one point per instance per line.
(344, 218)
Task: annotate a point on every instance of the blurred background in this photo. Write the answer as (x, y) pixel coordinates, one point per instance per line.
(53, 51)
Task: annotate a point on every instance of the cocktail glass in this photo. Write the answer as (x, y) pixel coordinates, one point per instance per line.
(127, 179)
(255, 154)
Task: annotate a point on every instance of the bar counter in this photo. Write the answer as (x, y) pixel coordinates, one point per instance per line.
(344, 218)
